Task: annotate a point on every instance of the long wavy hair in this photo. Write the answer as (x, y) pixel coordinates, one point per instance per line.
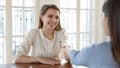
(44, 10)
(111, 8)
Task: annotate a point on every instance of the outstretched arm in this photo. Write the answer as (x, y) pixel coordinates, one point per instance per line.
(66, 52)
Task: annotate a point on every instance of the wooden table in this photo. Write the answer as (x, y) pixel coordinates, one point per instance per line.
(66, 65)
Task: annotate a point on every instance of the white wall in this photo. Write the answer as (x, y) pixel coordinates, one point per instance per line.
(42, 2)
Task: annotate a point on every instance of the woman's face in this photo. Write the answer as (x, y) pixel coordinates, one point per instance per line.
(50, 19)
(105, 25)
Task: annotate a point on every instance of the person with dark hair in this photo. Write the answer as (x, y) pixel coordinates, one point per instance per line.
(106, 54)
(46, 43)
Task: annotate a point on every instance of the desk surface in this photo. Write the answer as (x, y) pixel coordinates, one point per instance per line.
(66, 65)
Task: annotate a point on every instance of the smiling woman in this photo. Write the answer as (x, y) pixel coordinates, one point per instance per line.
(47, 41)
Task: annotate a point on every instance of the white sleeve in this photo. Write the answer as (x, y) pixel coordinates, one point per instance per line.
(26, 44)
(64, 39)
(63, 43)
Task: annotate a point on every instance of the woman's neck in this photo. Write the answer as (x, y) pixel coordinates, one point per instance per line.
(48, 33)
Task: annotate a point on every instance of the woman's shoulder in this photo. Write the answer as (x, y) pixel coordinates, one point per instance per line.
(100, 46)
(34, 30)
(61, 31)
(103, 44)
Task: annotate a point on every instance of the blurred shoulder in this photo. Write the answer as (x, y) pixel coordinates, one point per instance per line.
(62, 30)
(100, 46)
(103, 44)
(33, 31)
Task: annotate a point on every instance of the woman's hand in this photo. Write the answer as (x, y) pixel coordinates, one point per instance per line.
(47, 61)
(66, 52)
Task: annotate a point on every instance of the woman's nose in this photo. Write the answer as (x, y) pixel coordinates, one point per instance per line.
(54, 20)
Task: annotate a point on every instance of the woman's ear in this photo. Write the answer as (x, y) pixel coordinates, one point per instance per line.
(41, 17)
(105, 25)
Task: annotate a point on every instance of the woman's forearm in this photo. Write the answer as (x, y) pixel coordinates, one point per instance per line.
(66, 52)
(48, 61)
(26, 59)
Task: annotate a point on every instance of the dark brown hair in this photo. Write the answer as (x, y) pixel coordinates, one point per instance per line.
(111, 8)
(44, 10)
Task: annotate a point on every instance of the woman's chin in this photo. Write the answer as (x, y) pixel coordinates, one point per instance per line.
(51, 28)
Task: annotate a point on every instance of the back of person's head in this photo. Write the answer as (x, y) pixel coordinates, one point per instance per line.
(111, 8)
(44, 10)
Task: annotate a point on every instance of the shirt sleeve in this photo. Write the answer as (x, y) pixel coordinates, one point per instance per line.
(64, 39)
(81, 57)
(63, 43)
(26, 44)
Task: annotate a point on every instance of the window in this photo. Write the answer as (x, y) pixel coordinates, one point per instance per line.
(22, 21)
(2, 30)
(17, 17)
(77, 16)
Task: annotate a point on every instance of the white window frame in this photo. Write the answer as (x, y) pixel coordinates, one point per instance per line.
(98, 33)
(8, 37)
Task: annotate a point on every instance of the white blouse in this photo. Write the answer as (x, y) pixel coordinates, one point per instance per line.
(38, 45)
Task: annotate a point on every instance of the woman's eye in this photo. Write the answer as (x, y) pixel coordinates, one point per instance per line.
(57, 17)
(50, 16)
